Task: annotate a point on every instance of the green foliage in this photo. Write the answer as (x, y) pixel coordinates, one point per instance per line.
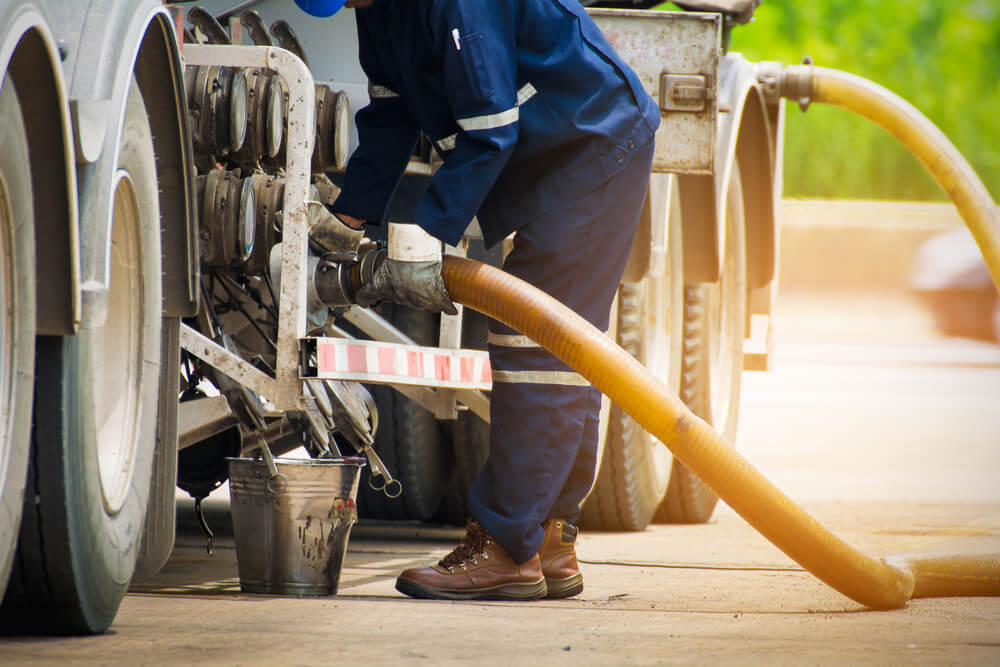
(943, 57)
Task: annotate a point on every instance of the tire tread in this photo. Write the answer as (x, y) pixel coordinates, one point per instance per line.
(623, 497)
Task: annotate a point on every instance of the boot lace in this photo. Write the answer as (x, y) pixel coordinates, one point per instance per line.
(471, 549)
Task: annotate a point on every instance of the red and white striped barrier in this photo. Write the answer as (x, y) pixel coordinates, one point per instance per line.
(388, 363)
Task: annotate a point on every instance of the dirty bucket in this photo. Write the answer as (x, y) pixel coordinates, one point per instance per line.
(291, 528)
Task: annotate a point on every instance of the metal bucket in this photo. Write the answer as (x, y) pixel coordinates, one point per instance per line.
(292, 528)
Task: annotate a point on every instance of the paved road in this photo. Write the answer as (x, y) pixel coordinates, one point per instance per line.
(867, 402)
(885, 432)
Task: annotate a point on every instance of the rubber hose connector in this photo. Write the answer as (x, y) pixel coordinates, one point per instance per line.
(875, 583)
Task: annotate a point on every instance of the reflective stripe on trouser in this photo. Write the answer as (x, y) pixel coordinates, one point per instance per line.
(543, 432)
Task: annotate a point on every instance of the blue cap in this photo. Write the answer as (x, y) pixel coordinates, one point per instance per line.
(321, 8)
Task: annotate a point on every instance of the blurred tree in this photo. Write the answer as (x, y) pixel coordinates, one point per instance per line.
(943, 57)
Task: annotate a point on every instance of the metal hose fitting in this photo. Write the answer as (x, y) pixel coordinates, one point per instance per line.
(339, 277)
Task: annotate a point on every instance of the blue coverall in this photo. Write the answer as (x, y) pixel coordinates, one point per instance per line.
(543, 130)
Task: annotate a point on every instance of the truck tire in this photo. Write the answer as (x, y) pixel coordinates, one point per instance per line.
(95, 425)
(409, 439)
(647, 322)
(632, 477)
(470, 438)
(17, 320)
(469, 435)
(159, 528)
(714, 330)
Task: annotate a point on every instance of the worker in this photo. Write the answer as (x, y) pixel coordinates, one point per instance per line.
(546, 134)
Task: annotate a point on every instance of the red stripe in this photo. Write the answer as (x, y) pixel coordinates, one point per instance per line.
(414, 364)
(387, 360)
(487, 373)
(442, 367)
(468, 368)
(357, 359)
(327, 358)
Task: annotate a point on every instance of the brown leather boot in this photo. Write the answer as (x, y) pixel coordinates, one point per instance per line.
(478, 569)
(558, 555)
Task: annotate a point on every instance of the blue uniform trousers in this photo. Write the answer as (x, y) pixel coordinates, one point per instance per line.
(544, 417)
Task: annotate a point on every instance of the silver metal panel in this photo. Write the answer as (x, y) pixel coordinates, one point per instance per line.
(673, 43)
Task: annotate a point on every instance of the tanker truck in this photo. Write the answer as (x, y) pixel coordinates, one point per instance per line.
(163, 304)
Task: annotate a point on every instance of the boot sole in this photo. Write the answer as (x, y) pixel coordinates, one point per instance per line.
(564, 588)
(534, 590)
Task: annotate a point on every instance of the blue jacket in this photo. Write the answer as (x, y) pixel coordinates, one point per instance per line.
(525, 101)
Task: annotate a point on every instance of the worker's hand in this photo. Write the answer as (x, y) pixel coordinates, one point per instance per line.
(411, 274)
(414, 284)
(329, 231)
(350, 220)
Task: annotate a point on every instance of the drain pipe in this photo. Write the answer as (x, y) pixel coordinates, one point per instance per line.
(805, 84)
(877, 583)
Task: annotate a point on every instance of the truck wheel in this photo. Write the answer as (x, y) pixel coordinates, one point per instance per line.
(159, 528)
(470, 438)
(714, 329)
(95, 407)
(17, 320)
(469, 435)
(634, 469)
(408, 440)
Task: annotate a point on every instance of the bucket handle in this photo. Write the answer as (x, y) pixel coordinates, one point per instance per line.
(278, 480)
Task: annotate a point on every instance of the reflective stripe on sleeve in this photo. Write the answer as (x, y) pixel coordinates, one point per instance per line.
(490, 121)
(448, 143)
(380, 92)
(501, 119)
(563, 378)
(505, 340)
(526, 93)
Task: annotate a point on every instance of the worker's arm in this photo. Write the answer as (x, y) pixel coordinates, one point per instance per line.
(387, 136)
(477, 45)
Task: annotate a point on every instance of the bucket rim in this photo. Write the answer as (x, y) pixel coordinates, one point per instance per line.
(358, 461)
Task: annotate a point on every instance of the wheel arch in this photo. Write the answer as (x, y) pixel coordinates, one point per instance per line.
(160, 75)
(755, 147)
(124, 39)
(746, 136)
(30, 53)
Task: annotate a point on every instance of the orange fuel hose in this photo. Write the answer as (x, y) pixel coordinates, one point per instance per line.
(881, 584)
(920, 136)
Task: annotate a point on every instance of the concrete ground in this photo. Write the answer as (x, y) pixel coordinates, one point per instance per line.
(673, 594)
(886, 432)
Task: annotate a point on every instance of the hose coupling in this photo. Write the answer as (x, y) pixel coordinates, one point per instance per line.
(339, 276)
(794, 82)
